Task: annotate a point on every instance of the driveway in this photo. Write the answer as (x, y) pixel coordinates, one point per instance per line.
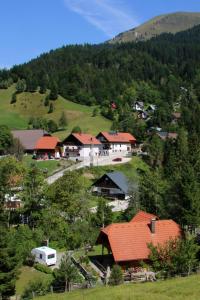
(97, 161)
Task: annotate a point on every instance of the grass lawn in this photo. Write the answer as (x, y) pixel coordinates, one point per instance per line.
(28, 274)
(174, 289)
(50, 165)
(130, 169)
(16, 115)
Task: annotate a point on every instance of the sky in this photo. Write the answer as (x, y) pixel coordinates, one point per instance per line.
(31, 27)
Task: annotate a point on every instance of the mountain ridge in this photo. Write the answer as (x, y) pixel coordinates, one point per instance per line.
(166, 23)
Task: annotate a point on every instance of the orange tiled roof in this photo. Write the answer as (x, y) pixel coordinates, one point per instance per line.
(47, 142)
(129, 241)
(86, 139)
(143, 216)
(119, 137)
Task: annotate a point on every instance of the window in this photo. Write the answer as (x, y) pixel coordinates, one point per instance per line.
(40, 256)
(51, 256)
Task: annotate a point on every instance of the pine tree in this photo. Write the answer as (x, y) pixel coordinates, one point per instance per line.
(63, 120)
(51, 108)
(54, 91)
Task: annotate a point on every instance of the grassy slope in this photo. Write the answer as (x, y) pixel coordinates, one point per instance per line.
(28, 104)
(173, 23)
(29, 274)
(174, 289)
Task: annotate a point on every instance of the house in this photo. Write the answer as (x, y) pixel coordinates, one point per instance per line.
(81, 146)
(48, 147)
(151, 108)
(44, 255)
(138, 106)
(176, 117)
(112, 185)
(128, 242)
(116, 143)
(12, 202)
(163, 135)
(28, 138)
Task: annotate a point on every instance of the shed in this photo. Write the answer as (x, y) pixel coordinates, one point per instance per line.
(44, 255)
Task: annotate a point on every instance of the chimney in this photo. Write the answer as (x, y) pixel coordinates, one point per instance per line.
(153, 225)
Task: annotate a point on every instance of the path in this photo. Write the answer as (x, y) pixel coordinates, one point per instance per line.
(100, 161)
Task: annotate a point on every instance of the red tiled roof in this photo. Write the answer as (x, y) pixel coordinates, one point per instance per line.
(129, 241)
(119, 137)
(143, 216)
(47, 142)
(86, 139)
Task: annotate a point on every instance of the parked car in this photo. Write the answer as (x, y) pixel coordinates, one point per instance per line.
(117, 159)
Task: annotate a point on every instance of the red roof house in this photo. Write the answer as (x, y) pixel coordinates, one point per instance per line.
(116, 143)
(128, 242)
(48, 147)
(81, 145)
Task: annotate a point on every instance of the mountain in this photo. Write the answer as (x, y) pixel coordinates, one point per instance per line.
(169, 23)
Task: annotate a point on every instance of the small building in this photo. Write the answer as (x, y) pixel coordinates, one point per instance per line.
(48, 147)
(112, 185)
(12, 202)
(151, 108)
(167, 135)
(28, 138)
(176, 117)
(45, 255)
(138, 106)
(116, 143)
(128, 242)
(81, 146)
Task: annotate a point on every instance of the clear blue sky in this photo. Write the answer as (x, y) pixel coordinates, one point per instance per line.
(31, 27)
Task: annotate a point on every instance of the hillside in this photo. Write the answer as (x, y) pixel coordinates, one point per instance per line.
(16, 116)
(176, 289)
(169, 23)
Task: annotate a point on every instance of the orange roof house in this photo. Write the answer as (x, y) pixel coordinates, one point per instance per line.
(117, 137)
(47, 143)
(48, 147)
(128, 242)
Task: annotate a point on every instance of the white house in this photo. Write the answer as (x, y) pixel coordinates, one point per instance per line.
(82, 146)
(138, 106)
(116, 143)
(44, 255)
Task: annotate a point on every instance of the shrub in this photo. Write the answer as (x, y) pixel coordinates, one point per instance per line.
(36, 288)
(43, 268)
(116, 276)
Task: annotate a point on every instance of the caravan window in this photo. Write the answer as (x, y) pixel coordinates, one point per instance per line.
(40, 256)
(51, 256)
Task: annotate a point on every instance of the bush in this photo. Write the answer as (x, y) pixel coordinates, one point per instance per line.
(116, 276)
(36, 288)
(43, 268)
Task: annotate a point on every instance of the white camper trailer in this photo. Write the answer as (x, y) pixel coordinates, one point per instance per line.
(44, 255)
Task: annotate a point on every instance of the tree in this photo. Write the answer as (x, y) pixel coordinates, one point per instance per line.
(46, 101)
(54, 91)
(63, 120)
(17, 149)
(38, 287)
(66, 274)
(116, 276)
(95, 112)
(52, 126)
(51, 108)
(33, 194)
(9, 264)
(175, 256)
(76, 129)
(21, 86)
(6, 139)
(14, 98)
(104, 214)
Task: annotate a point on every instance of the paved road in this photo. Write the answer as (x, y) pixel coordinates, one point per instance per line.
(100, 161)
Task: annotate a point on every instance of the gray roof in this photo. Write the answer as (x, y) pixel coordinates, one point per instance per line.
(29, 137)
(120, 180)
